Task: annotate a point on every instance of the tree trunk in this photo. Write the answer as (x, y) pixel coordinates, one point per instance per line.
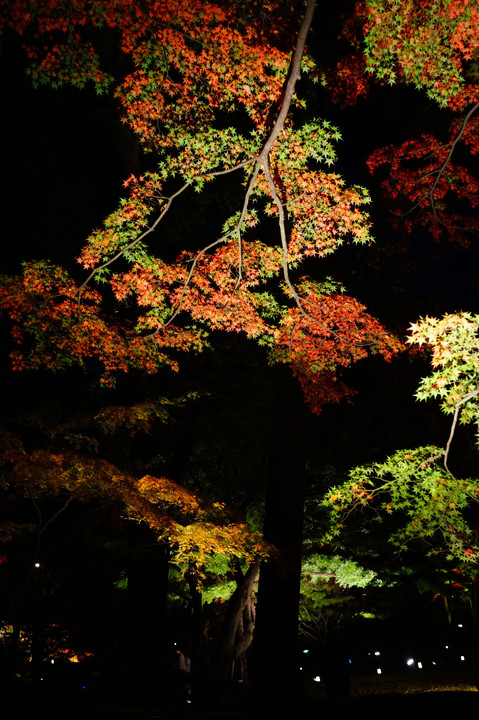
(147, 594)
(275, 661)
(232, 643)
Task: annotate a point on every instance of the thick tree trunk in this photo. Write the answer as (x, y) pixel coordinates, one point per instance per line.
(147, 594)
(275, 658)
(232, 643)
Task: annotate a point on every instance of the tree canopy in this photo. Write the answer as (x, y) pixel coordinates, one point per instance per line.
(232, 220)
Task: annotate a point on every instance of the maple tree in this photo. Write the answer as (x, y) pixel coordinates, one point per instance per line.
(179, 100)
(430, 181)
(210, 91)
(72, 474)
(417, 485)
(225, 284)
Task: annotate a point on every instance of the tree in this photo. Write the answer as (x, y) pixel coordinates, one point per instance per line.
(416, 486)
(432, 46)
(220, 285)
(64, 480)
(174, 101)
(135, 301)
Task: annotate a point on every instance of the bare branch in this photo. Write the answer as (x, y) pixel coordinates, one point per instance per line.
(457, 409)
(451, 151)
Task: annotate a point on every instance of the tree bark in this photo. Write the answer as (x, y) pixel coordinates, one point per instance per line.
(146, 620)
(230, 643)
(275, 665)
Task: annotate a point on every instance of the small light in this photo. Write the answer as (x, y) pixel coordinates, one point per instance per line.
(419, 665)
(306, 651)
(377, 652)
(460, 625)
(447, 647)
(37, 565)
(410, 661)
(379, 671)
(462, 657)
(52, 661)
(317, 679)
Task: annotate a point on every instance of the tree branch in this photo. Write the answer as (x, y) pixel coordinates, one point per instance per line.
(451, 151)
(457, 409)
(439, 173)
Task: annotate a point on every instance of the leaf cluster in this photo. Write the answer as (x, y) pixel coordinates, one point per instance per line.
(413, 487)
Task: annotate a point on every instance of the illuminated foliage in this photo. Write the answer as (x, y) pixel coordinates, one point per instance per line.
(416, 486)
(426, 43)
(194, 67)
(413, 484)
(195, 530)
(210, 92)
(454, 345)
(433, 46)
(423, 184)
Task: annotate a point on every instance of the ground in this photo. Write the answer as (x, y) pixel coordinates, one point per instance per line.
(415, 682)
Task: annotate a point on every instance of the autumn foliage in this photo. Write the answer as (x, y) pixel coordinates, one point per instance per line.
(212, 93)
(197, 72)
(429, 180)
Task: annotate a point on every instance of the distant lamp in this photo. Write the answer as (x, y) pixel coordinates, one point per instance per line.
(410, 661)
